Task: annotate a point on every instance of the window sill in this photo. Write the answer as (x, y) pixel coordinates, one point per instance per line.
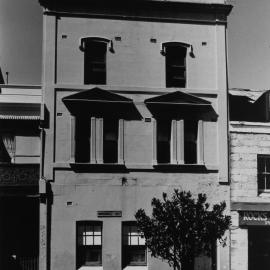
(104, 167)
(185, 167)
(136, 267)
(264, 193)
(91, 267)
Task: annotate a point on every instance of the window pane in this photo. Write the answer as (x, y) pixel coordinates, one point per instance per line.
(190, 133)
(82, 138)
(267, 163)
(267, 181)
(110, 141)
(134, 240)
(141, 241)
(261, 181)
(261, 164)
(163, 141)
(88, 240)
(97, 240)
(92, 255)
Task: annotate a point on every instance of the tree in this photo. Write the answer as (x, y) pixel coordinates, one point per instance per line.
(182, 228)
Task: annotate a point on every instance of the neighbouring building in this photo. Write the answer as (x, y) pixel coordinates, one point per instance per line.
(19, 176)
(250, 179)
(134, 104)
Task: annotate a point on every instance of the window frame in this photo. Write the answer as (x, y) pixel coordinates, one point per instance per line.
(177, 143)
(97, 42)
(80, 248)
(96, 140)
(127, 248)
(183, 49)
(260, 158)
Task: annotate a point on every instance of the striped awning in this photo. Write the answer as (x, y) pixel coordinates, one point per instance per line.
(19, 117)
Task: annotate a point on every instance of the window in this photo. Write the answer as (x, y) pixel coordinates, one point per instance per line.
(95, 51)
(163, 141)
(179, 142)
(263, 173)
(82, 139)
(110, 141)
(175, 54)
(97, 140)
(190, 144)
(134, 249)
(89, 243)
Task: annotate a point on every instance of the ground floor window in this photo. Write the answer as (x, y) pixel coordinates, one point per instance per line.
(89, 243)
(134, 249)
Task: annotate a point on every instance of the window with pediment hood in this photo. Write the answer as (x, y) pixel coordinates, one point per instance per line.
(95, 59)
(97, 126)
(178, 128)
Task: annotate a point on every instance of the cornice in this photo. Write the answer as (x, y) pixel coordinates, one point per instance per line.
(141, 9)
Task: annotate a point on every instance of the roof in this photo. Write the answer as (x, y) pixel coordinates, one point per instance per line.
(252, 95)
(20, 102)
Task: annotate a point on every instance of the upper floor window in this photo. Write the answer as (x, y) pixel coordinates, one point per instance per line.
(134, 249)
(97, 139)
(89, 243)
(95, 54)
(177, 141)
(97, 126)
(263, 172)
(176, 69)
(178, 131)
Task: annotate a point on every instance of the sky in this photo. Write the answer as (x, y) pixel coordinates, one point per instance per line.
(248, 42)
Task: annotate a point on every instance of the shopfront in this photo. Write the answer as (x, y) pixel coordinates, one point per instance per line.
(257, 224)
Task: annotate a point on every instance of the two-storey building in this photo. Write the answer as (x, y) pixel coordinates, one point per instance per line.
(135, 104)
(19, 176)
(250, 179)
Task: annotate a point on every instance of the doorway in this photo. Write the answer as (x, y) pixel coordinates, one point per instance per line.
(19, 233)
(259, 248)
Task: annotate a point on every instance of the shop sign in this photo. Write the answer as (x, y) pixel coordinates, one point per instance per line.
(254, 218)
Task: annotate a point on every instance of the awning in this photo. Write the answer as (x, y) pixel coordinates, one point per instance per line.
(19, 117)
(101, 102)
(178, 104)
(19, 111)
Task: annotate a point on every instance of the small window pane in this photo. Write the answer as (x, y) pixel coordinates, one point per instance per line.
(134, 240)
(89, 241)
(97, 240)
(261, 181)
(141, 241)
(163, 141)
(261, 164)
(267, 167)
(110, 141)
(267, 181)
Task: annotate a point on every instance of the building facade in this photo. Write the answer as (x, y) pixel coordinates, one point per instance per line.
(135, 104)
(19, 176)
(249, 174)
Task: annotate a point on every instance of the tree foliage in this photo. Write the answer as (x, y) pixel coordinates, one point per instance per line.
(182, 228)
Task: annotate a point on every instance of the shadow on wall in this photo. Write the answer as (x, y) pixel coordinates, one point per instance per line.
(243, 108)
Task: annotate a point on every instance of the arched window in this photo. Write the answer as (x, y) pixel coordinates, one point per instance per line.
(175, 53)
(95, 54)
